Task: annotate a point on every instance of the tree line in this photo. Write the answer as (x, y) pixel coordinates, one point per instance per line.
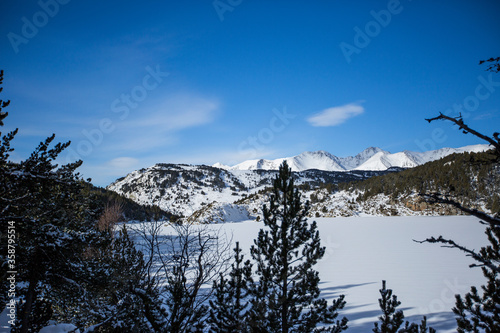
(467, 177)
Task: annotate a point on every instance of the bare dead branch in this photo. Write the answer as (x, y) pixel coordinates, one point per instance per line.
(471, 253)
(495, 142)
(439, 198)
(494, 64)
(183, 264)
(113, 213)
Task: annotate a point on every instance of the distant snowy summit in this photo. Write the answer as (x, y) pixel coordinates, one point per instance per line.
(372, 159)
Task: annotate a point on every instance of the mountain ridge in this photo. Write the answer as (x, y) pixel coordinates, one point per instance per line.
(370, 159)
(183, 189)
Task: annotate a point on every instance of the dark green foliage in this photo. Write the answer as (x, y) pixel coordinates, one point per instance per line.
(392, 319)
(494, 205)
(68, 269)
(112, 290)
(467, 176)
(39, 317)
(286, 296)
(54, 222)
(479, 311)
(228, 308)
(131, 209)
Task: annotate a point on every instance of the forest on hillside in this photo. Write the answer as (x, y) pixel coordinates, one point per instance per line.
(470, 178)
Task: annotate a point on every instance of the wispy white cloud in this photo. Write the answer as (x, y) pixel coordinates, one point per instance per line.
(484, 116)
(177, 113)
(235, 157)
(122, 162)
(336, 115)
(157, 125)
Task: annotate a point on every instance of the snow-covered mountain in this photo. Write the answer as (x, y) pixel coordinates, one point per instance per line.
(352, 162)
(372, 158)
(384, 161)
(210, 190)
(183, 189)
(320, 160)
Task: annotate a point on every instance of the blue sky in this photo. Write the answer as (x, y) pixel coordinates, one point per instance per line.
(136, 83)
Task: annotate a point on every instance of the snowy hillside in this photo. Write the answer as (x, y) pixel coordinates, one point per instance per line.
(185, 189)
(325, 204)
(372, 158)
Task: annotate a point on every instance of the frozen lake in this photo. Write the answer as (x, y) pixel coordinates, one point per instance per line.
(363, 251)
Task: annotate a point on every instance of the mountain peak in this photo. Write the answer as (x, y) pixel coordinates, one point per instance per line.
(220, 166)
(370, 151)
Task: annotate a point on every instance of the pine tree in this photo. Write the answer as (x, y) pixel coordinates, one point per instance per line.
(228, 309)
(480, 311)
(53, 224)
(67, 268)
(286, 296)
(392, 319)
(113, 273)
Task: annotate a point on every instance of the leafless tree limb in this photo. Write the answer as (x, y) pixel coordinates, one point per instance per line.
(181, 265)
(439, 198)
(495, 141)
(470, 253)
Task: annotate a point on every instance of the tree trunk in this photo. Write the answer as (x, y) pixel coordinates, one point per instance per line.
(284, 238)
(30, 296)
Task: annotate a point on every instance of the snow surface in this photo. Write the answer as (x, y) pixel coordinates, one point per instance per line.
(383, 161)
(58, 328)
(363, 251)
(220, 213)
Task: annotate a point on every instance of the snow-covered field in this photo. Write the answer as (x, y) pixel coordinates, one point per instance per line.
(363, 251)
